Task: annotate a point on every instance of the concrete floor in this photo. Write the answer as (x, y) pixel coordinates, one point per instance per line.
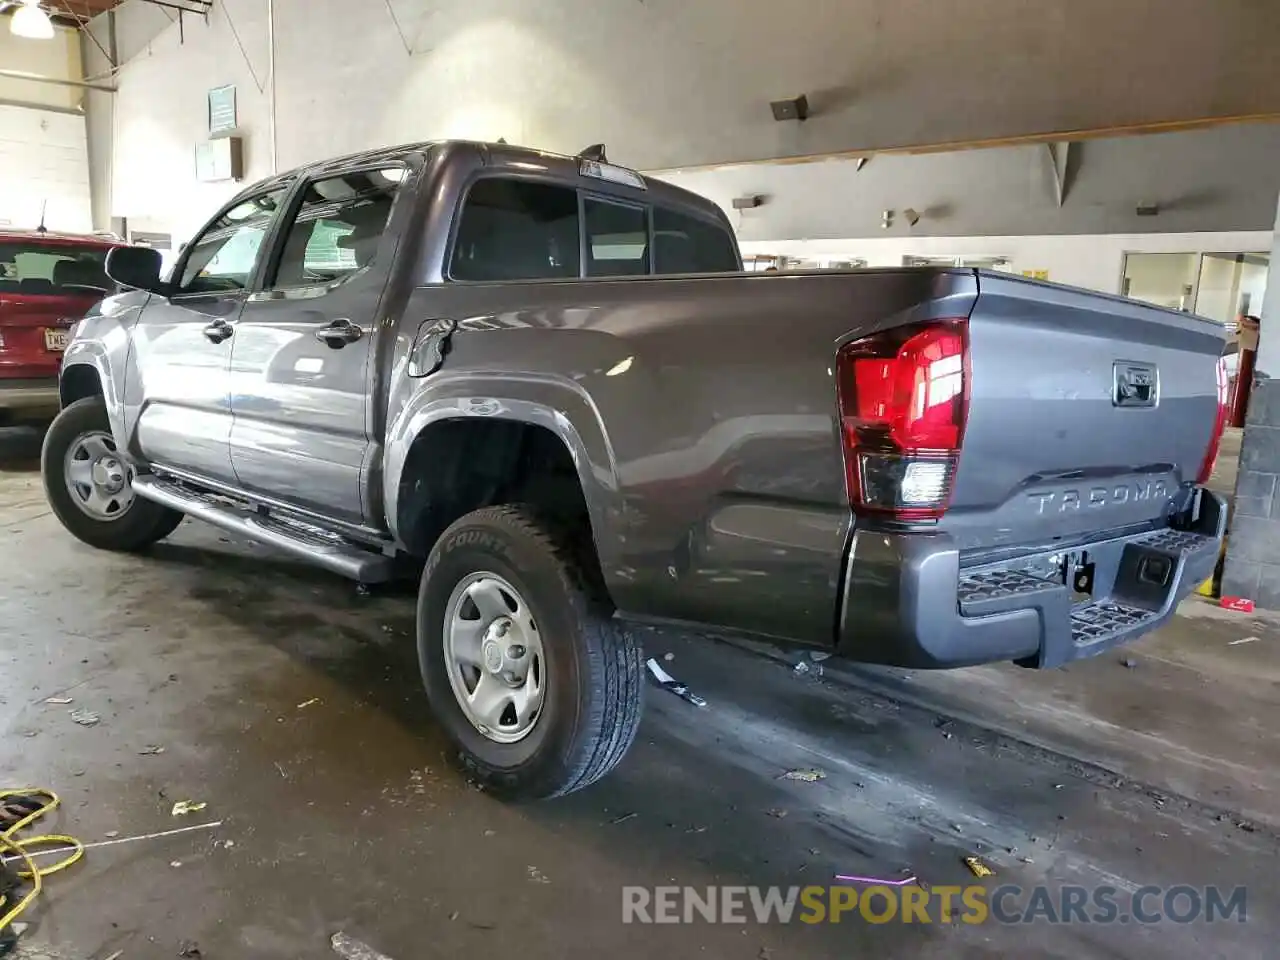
(344, 814)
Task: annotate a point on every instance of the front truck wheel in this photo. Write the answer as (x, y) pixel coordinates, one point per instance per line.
(90, 485)
(531, 677)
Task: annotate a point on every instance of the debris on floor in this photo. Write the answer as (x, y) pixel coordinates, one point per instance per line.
(817, 656)
(1236, 643)
(183, 807)
(623, 819)
(804, 776)
(672, 685)
(668, 657)
(978, 868)
(537, 876)
(878, 881)
(150, 751)
(190, 949)
(86, 718)
(1238, 604)
(60, 701)
(806, 669)
(777, 813)
(352, 949)
(1129, 663)
(308, 703)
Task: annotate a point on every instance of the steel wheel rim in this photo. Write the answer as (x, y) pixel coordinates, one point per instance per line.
(99, 480)
(494, 657)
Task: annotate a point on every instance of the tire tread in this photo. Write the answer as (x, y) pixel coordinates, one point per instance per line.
(611, 654)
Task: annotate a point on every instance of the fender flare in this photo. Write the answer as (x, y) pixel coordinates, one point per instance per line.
(91, 354)
(558, 404)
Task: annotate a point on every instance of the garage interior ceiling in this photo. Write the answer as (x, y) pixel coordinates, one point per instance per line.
(76, 13)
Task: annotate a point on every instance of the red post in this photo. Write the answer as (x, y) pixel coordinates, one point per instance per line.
(1248, 339)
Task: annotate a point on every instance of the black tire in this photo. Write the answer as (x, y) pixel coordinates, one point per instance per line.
(593, 663)
(138, 527)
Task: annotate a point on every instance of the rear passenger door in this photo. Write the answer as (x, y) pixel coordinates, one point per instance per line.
(301, 365)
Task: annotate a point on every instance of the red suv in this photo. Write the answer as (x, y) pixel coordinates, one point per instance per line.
(48, 281)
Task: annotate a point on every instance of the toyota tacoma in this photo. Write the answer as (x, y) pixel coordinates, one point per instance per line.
(547, 381)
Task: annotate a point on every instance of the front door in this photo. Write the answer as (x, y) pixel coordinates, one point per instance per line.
(181, 353)
(301, 362)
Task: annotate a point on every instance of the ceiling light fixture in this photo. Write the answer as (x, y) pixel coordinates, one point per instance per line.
(31, 22)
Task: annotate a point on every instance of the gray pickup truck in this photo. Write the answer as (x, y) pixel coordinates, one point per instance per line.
(546, 380)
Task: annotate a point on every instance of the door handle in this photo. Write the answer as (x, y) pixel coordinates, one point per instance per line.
(338, 334)
(218, 331)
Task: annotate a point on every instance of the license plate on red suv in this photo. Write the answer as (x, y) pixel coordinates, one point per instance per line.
(55, 341)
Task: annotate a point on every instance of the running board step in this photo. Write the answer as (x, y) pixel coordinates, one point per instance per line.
(309, 544)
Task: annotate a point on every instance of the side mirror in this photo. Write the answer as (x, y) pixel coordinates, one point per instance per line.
(137, 267)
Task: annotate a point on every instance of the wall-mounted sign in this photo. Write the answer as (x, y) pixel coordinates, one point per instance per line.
(222, 110)
(1036, 274)
(220, 159)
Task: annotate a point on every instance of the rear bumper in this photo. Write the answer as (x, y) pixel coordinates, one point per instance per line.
(29, 395)
(908, 603)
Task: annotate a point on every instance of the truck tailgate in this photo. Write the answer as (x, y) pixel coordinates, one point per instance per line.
(1087, 414)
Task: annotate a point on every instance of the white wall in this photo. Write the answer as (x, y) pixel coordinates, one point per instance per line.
(43, 159)
(59, 57)
(1218, 289)
(1093, 262)
(1253, 281)
(161, 113)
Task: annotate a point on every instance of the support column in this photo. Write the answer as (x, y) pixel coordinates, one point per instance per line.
(1253, 550)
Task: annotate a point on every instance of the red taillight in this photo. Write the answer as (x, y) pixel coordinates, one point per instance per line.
(903, 403)
(1220, 424)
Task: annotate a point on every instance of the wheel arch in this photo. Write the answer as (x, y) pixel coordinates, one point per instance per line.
(79, 381)
(463, 409)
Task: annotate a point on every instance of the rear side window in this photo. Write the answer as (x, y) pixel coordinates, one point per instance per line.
(49, 268)
(617, 240)
(338, 227)
(684, 244)
(517, 230)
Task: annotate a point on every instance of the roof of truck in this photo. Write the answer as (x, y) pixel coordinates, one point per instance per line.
(517, 160)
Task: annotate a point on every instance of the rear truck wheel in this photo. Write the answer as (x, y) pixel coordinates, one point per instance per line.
(90, 485)
(534, 682)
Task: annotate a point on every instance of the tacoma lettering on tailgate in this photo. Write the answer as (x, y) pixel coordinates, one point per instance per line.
(1062, 501)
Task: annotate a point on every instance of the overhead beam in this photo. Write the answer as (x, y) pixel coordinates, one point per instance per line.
(1057, 136)
(57, 81)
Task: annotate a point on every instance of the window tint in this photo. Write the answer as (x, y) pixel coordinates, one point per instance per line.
(617, 240)
(683, 244)
(517, 230)
(338, 227)
(51, 268)
(221, 259)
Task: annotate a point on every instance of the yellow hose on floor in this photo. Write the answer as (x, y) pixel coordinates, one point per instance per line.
(12, 848)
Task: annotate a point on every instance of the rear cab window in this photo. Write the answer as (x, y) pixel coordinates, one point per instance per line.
(49, 267)
(512, 229)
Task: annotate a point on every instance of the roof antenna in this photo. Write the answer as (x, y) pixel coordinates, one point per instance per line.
(594, 152)
(44, 205)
